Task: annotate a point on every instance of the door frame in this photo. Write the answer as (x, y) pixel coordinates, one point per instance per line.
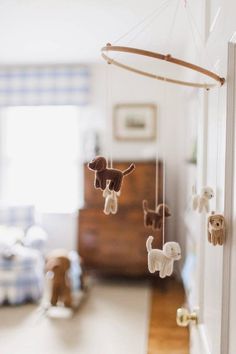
(229, 195)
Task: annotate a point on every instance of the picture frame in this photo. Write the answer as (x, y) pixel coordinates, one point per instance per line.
(135, 122)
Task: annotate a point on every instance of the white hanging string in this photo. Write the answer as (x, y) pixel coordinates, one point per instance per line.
(150, 15)
(155, 17)
(217, 146)
(194, 30)
(164, 198)
(109, 122)
(107, 107)
(169, 36)
(157, 175)
(109, 125)
(164, 166)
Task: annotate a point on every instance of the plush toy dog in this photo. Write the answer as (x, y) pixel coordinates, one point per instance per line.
(200, 202)
(154, 218)
(111, 201)
(59, 263)
(104, 174)
(162, 260)
(216, 229)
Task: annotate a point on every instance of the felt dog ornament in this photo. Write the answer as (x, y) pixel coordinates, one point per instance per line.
(200, 201)
(58, 263)
(103, 174)
(162, 260)
(216, 229)
(111, 201)
(154, 218)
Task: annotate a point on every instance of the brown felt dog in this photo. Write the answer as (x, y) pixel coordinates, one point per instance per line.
(59, 263)
(104, 174)
(154, 218)
(216, 229)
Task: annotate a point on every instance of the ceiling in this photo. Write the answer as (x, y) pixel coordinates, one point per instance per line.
(73, 31)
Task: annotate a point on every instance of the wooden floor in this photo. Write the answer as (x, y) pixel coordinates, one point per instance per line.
(165, 337)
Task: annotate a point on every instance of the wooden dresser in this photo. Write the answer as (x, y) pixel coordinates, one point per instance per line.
(116, 244)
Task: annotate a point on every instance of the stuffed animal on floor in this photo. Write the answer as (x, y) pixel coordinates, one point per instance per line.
(201, 201)
(58, 263)
(111, 201)
(154, 218)
(162, 260)
(216, 229)
(104, 174)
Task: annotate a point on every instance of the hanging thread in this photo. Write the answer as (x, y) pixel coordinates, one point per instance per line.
(150, 15)
(217, 146)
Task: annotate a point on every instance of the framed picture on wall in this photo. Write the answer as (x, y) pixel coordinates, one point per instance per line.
(135, 121)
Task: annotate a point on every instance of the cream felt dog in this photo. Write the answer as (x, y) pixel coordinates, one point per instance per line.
(111, 201)
(201, 201)
(162, 260)
(216, 229)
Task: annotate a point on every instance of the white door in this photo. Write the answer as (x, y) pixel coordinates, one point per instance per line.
(208, 268)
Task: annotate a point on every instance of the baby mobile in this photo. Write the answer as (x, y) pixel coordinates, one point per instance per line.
(109, 180)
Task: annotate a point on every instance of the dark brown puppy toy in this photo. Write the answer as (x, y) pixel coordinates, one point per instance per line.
(104, 174)
(59, 263)
(154, 218)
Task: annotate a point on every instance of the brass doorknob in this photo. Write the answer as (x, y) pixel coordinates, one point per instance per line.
(184, 317)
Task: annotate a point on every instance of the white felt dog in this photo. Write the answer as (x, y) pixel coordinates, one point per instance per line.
(111, 201)
(162, 260)
(201, 201)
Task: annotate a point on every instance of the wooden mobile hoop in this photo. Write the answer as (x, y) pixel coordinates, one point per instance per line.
(169, 58)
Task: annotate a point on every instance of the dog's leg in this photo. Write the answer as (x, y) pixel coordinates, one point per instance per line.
(170, 267)
(107, 206)
(96, 183)
(151, 263)
(114, 205)
(209, 236)
(164, 269)
(111, 185)
(148, 220)
(221, 238)
(200, 205)
(154, 223)
(214, 238)
(118, 182)
(103, 184)
(206, 206)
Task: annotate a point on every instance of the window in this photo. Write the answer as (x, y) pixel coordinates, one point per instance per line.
(40, 157)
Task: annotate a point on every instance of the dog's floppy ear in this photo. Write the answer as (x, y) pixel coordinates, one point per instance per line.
(210, 219)
(167, 211)
(162, 208)
(52, 263)
(101, 164)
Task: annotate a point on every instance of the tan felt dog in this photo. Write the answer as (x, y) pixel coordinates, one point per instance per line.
(104, 174)
(216, 229)
(162, 260)
(59, 263)
(154, 218)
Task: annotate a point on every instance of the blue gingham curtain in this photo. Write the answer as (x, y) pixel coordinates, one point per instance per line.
(44, 85)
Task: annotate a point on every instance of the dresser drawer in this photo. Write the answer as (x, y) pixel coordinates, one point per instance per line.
(114, 243)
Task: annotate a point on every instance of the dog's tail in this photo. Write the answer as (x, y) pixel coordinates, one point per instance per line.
(145, 205)
(149, 243)
(129, 169)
